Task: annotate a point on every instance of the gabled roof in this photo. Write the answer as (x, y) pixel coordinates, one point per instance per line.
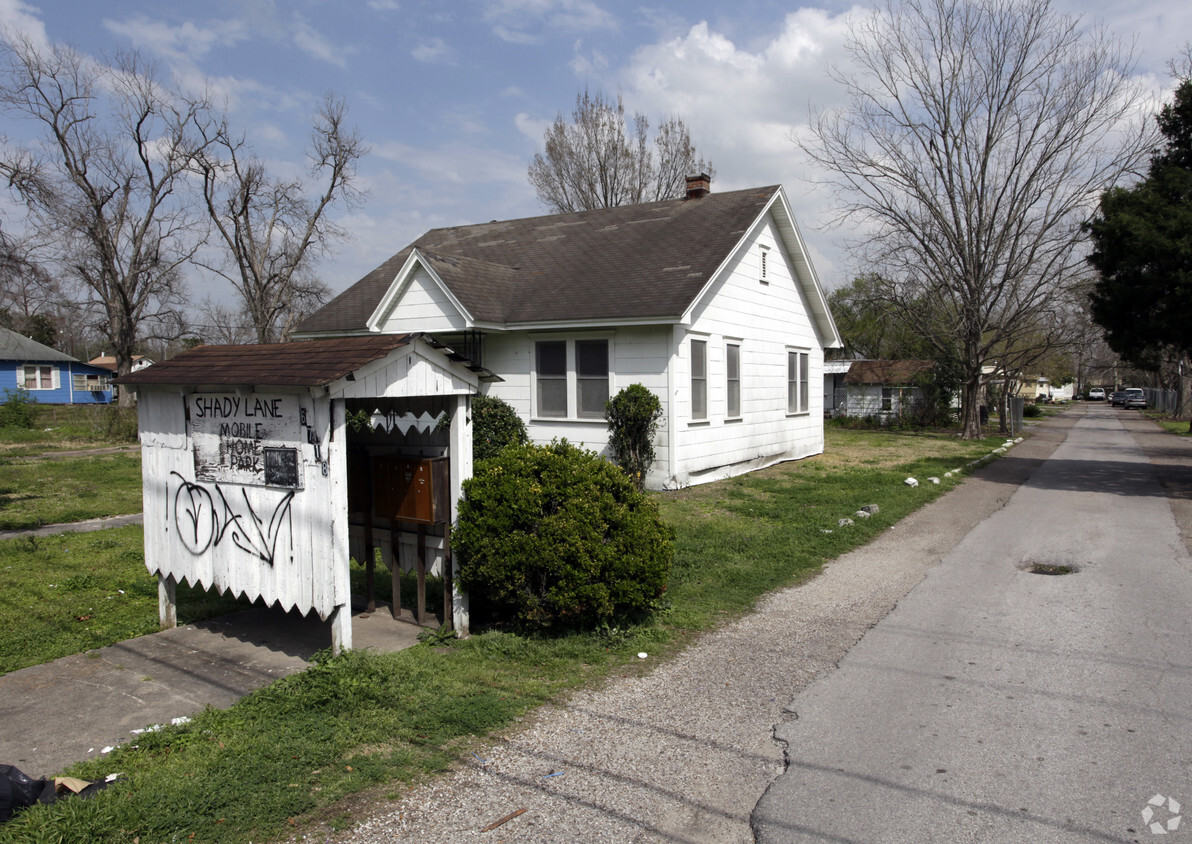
(894, 372)
(632, 263)
(17, 347)
(312, 363)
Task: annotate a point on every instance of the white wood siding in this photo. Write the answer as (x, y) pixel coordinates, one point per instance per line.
(422, 306)
(767, 320)
(273, 543)
(639, 355)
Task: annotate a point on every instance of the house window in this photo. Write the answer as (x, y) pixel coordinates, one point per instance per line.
(732, 379)
(763, 264)
(552, 377)
(571, 378)
(87, 381)
(39, 377)
(591, 378)
(887, 398)
(797, 385)
(699, 379)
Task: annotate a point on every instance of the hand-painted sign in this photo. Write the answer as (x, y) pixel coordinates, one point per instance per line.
(253, 439)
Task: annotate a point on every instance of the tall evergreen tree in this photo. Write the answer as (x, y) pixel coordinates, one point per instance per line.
(1142, 248)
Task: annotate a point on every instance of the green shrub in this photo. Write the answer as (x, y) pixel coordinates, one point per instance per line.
(633, 416)
(494, 425)
(1031, 411)
(19, 409)
(555, 537)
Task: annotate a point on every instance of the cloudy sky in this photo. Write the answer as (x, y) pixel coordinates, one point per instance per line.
(453, 96)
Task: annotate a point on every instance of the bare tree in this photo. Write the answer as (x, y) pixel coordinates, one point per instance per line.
(272, 230)
(105, 180)
(975, 136)
(596, 161)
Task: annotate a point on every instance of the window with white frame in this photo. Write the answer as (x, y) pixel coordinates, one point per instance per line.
(84, 381)
(39, 377)
(732, 379)
(887, 398)
(797, 385)
(571, 378)
(591, 378)
(699, 379)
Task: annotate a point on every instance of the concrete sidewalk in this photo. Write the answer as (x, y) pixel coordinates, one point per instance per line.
(71, 709)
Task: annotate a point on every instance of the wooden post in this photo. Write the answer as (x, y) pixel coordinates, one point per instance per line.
(341, 629)
(370, 553)
(395, 572)
(448, 580)
(420, 616)
(167, 601)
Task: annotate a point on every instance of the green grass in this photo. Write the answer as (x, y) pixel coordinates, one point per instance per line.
(70, 593)
(71, 427)
(36, 491)
(282, 759)
(1175, 426)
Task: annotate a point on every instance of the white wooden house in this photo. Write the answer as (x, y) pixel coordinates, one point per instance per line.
(255, 483)
(710, 301)
(884, 389)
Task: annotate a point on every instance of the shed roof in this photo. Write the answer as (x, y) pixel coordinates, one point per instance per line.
(629, 262)
(887, 371)
(14, 346)
(313, 363)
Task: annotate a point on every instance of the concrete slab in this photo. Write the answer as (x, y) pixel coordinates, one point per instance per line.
(156, 678)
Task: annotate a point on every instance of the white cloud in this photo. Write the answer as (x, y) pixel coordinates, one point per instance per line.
(744, 107)
(529, 21)
(190, 40)
(384, 5)
(22, 19)
(434, 51)
(588, 65)
(314, 44)
(534, 129)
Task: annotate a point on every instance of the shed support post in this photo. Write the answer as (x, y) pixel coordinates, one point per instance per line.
(167, 601)
(461, 469)
(341, 629)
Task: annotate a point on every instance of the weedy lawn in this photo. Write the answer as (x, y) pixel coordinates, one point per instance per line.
(286, 757)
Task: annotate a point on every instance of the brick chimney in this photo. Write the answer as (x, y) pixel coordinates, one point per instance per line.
(699, 186)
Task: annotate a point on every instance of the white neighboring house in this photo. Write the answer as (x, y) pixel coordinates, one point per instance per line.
(883, 388)
(710, 301)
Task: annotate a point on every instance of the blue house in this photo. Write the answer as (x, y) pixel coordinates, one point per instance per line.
(50, 376)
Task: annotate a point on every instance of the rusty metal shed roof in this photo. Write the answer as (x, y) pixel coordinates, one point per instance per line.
(313, 363)
(893, 372)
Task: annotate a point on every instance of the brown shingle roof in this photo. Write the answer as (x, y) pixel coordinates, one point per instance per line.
(633, 261)
(895, 372)
(309, 364)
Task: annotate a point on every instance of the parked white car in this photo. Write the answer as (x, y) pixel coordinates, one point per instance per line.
(1096, 394)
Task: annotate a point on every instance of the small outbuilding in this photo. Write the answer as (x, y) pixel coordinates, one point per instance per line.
(884, 389)
(258, 482)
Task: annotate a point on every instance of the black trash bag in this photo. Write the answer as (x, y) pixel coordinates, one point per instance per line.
(19, 791)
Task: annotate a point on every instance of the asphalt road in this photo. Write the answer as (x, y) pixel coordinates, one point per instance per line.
(995, 704)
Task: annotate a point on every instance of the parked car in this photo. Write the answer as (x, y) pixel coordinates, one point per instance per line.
(1135, 397)
(1118, 398)
(1097, 394)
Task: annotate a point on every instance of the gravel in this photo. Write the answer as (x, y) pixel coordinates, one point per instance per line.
(683, 753)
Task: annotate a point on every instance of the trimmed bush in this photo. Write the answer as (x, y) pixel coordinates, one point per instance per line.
(556, 537)
(494, 425)
(633, 416)
(19, 409)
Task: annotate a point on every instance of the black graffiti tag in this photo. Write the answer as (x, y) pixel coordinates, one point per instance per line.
(203, 523)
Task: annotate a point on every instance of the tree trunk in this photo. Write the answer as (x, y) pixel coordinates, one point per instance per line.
(971, 407)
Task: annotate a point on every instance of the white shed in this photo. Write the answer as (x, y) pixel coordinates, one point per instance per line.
(255, 482)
